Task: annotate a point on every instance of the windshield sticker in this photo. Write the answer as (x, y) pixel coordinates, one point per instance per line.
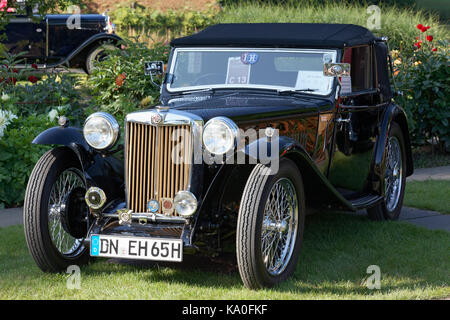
(194, 62)
(249, 58)
(237, 72)
(314, 80)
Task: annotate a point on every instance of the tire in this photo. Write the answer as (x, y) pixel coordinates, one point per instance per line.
(48, 231)
(254, 223)
(95, 55)
(390, 207)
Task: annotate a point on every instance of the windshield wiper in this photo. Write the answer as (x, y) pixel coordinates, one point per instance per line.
(197, 90)
(290, 91)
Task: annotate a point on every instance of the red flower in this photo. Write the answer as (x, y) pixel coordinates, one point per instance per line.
(12, 80)
(34, 66)
(424, 29)
(428, 27)
(419, 26)
(430, 38)
(119, 79)
(417, 45)
(33, 79)
(434, 49)
(15, 70)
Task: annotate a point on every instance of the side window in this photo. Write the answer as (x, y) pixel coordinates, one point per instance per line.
(362, 67)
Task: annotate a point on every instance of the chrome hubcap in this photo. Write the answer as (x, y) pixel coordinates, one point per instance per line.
(279, 227)
(62, 240)
(393, 173)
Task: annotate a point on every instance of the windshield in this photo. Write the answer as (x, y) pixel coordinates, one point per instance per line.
(278, 69)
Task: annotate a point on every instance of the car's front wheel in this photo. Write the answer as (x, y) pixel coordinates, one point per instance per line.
(394, 178)
(270, 225)
(97, 54)
(55, 212)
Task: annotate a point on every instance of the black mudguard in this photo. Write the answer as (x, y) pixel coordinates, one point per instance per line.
(87, 45)
(105, 172)
(392, 113)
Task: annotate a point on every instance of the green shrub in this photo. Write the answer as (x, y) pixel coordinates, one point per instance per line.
(18, 156)
(119, 84)
(424, 79)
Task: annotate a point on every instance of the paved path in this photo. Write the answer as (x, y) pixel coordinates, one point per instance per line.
(437, 173)
(428, 219)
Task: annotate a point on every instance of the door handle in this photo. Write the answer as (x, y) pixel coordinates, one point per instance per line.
(339, 119)
(38, 30)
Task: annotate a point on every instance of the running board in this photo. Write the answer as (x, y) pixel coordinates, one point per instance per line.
(365, 201)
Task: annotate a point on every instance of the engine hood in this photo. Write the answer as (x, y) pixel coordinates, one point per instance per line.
(247, 107)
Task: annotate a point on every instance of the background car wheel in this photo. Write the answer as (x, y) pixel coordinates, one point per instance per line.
(97, 54)
(270, 225)
(55, 212)
(394, 178)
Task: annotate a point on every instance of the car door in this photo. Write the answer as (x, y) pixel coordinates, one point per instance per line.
(27, 35)
(356, 120)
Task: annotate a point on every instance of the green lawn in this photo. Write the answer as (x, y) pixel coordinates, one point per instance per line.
(338, 248)
(430, 194)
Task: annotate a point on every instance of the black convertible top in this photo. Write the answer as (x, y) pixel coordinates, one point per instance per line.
(317, 35)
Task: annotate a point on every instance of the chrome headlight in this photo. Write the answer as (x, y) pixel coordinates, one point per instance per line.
(220, 135)
(101, 130)
(185, 203)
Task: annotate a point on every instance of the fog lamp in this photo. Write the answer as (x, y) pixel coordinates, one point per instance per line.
(185, 203)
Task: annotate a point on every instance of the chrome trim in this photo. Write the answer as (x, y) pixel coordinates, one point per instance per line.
(114, 126)
(208, 49)
(169, 118)
(154, 217)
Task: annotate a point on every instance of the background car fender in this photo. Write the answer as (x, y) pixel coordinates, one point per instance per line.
(87, 45)
(105, 172)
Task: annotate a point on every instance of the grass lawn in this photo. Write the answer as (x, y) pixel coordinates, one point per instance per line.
(338, 248)
(430, 194)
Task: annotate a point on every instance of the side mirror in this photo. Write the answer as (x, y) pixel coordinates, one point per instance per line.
(153, 68)
(336, 70)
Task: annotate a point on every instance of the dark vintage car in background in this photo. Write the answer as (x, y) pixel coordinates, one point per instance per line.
(320, 99)
(59, 39)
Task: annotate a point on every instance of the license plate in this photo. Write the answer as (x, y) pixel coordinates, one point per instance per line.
(137, 248)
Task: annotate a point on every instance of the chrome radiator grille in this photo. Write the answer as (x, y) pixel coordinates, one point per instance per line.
(150, 170)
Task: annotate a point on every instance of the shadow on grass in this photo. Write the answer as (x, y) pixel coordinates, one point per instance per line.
(337, 250)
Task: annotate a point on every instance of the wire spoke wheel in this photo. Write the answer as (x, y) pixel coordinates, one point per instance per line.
(67, 181)
(279, 228)
(393, 174)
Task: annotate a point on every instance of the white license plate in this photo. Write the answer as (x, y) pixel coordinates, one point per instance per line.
(137, 248)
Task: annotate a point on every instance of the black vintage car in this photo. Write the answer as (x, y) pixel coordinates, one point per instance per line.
(55, 40)
(256, 123)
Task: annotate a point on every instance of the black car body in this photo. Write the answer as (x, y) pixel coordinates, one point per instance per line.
(340, 145)
(59, 39)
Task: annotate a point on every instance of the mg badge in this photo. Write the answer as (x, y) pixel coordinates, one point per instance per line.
(156, 118)
(153, 206)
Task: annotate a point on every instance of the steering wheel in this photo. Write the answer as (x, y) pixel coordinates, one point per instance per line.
(209, 76)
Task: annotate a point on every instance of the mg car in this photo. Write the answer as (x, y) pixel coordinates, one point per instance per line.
(76, 40)
(256, 125)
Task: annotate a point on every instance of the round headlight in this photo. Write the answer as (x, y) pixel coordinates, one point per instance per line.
(101, 130)
(220, 135)
(185, 203)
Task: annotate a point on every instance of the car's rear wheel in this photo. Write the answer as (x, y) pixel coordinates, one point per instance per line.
(394, 178)
(55, 212)
(270, 225)
(97, 54)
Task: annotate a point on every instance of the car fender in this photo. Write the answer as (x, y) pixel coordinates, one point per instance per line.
(318, 190)
(88, 44)
(105, 172)
(391, 113)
